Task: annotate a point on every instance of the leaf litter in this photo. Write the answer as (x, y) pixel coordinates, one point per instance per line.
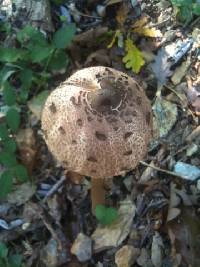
(45, 217)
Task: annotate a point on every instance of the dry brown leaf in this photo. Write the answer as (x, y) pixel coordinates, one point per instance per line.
(122, 14)
(27, 148)
(99, 57)
(180, 71)
(141, 22)
(184, 234)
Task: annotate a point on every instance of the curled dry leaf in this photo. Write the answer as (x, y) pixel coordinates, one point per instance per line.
(185, 237)
(167, 57)
(156, 250)
(180, 71)
(165, 116)
(173, 212)
(114, 234)
(21, 194)
(161, 66)
(37, 102)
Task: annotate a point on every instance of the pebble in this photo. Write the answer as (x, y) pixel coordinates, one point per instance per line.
(101, 10)
(126, 256)
(82, 247)
(187, 171)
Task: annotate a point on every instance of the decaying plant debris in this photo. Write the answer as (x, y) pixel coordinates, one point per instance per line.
(48, 220)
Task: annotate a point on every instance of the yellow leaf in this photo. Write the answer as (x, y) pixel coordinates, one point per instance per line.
(141, 28)
(133, 59)
(116, 36)
(149, 32)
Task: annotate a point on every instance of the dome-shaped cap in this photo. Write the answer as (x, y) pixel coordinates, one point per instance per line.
(98, 122)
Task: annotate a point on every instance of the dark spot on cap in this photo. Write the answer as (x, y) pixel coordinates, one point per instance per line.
(73, 100)
(109, 71)
(127, 135)
(74, 142)
(92, 159)
(137, 86)
(100, 136)
(129, 93)
(116, 128)
(52, 108)
(126, 82)
(127, 153)
(79, 122)
(139, 100)
(111, 119)
(148, 117)
(61, 130)
(89, 118)
(128, 121)
(98, 75)
(124, 76)
(134, 113)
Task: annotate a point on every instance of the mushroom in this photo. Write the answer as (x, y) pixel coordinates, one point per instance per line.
(98, 123)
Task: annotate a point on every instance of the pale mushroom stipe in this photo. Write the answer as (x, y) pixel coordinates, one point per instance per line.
(98, 123)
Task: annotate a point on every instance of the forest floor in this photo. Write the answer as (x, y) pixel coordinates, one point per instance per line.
(48, 220)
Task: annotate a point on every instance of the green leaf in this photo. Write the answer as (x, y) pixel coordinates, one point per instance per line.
(6, 182)
(15, 260)
(13, 119)
(180, 3)
(196, 9)
(9, 94)
(8, 159)
(10, 145)
(10, 54)
(3, 250)
(5, 73)
(105, 215)
(58, 61)
(21, 173)
(2, 262)
(26, 76)
(31, 34)
(39, 53)
(3, 131)
(100, 212)
(24, 93)
(185, 13)
(63, 37)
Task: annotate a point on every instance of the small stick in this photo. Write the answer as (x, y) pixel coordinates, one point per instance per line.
(161, 170)
(54, 188)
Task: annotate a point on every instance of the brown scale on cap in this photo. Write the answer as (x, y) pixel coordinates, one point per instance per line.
(99, 121)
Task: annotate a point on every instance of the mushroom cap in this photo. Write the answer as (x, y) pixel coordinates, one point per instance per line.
(98, 123)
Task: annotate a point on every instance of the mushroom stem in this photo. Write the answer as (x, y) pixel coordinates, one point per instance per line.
(97, 193)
